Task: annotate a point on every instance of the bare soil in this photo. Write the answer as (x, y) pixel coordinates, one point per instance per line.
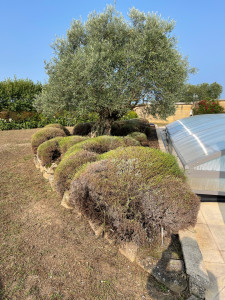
(48, 252)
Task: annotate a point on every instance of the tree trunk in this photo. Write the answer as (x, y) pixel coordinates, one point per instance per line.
(104, 124)
(102, 127)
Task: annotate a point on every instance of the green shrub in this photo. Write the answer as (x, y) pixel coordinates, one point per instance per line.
(119, 128)
(122, 128)
(140, 137)
(60, 127)
(25, 120)
(135, 191)
(69, 141)
(102, 144)
(68, 167)
(52, 150)
(83, 128)
(43, 135)
(84, 149)
(49, 151)
(130, 115)
(208, 107)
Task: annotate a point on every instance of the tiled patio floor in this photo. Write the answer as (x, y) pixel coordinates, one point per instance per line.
(210, 235)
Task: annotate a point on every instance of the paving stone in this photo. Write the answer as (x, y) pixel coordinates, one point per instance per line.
(204, 237)
(214, 213)
(200, 218)
(215, 269)
(218, 232)
(212, 256)
(223, 255)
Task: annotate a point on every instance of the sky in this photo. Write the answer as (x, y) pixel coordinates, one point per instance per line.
(28, 28)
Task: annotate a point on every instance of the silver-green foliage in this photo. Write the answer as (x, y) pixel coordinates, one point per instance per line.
(108, 64)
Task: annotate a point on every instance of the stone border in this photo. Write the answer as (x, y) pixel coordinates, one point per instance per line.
(198, 277)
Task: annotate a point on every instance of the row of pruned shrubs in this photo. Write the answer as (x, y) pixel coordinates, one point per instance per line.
(119, 128)
(133, 190)
(137, 129)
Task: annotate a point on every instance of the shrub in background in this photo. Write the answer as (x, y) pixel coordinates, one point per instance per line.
(119, 128)
(18, 94)
(135, 191)
(122, 128)
(130, 115)
(208, 107)
(24, 120)
(83, 128)
(43, 135)
(140, 137)
(60, 127)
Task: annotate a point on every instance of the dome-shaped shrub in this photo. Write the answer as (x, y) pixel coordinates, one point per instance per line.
(49, 151)
(140, 137)
(135, 191)
(102, 144)
(43, 135)
(52, 150)
(122, 128)
(60, 127)
(68, 167)
(83, 152)
(83, 128)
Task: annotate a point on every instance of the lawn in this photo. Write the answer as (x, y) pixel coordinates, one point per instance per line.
(48, 252)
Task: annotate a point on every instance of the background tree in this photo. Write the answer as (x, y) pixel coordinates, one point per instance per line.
(108, 65)
(202, 91)
(18, 94)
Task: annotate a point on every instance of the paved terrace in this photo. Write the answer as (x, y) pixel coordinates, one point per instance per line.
(210, 235)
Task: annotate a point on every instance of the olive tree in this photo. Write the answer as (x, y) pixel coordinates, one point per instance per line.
(109, 64)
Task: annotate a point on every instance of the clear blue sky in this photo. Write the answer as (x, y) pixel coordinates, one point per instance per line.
(27, 28)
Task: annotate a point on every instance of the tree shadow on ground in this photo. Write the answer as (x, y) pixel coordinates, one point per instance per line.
(169, 272)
